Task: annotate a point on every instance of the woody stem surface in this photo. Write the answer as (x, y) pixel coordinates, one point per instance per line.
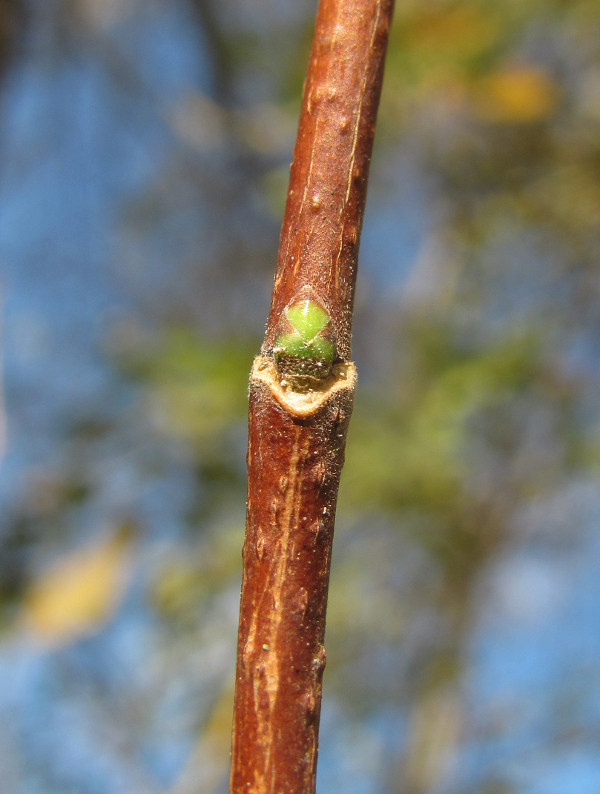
(301, 392)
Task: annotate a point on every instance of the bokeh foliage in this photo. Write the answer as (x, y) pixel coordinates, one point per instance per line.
(476, 338)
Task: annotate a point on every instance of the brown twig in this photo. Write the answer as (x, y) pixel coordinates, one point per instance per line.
(301, 391)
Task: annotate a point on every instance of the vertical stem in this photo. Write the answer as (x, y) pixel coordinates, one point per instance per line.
(328, 177)
(301, 391)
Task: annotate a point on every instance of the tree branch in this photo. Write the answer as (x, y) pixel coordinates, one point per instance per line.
(301, 392)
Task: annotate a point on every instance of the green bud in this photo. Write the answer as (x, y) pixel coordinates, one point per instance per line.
(307, 318)
(305, 350)
(294, 345)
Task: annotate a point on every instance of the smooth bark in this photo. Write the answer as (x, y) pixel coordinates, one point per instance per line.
(297, 434)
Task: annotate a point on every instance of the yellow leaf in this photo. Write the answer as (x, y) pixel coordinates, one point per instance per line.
(76, 596)
(515, 94)
(462, 31)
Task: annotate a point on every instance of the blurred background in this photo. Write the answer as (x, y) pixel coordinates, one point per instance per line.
(145, 147)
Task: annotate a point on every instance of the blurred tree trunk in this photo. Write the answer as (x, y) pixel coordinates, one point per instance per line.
(216, 44)
(12, 23)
